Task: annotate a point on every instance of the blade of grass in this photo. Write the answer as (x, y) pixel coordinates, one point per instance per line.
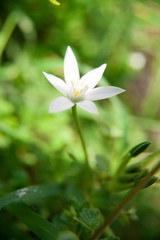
(31, 194)
(7, 30)
(38, 225)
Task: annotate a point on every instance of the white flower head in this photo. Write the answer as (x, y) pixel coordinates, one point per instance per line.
(76, 90)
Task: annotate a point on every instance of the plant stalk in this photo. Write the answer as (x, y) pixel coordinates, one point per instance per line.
(75, 116)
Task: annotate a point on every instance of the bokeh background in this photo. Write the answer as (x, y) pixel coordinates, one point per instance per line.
(36, 147)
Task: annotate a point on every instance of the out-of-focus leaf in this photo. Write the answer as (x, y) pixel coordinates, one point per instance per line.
(7, 29)
(38, 225)
(118, 187)
(31, 194)
(9, 73)
(49, 63)
(101, 163)
(131, 177)
(67, 235)
(16, 134)
(133, 169)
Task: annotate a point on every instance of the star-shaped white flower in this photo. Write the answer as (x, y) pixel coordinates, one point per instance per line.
(78, 90)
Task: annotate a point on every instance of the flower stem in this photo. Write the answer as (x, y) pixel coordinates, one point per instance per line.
(74, 111)
(128, 198)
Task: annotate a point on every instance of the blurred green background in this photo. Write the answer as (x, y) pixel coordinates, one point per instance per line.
(36, 147)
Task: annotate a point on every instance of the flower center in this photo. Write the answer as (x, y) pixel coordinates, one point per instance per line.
(79, 88)
(76, 93)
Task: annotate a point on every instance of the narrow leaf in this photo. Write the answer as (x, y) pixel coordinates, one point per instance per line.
(38, 225)
(131, 177)
(31, 194)
(133, 168)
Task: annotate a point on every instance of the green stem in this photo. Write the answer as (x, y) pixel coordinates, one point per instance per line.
(74, 111)
(123, 164)
(127, 199)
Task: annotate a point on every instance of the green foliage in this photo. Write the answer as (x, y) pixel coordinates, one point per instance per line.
(89, 218)
(31, 194)
(38, 225)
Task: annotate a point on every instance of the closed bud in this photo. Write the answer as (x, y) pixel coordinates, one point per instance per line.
(139, 148)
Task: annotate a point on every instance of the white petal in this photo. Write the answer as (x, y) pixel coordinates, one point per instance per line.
(102, 93)
(71, 71)
(93, 77)
(59, 84)
(88, 106)
(60, 104)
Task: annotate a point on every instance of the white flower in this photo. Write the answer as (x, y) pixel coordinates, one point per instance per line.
(79, 91)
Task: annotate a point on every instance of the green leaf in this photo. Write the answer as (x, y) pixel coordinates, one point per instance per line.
(89, 218)
(38, 225)
(67, 235)
(8, 28)
(139, 148)
(32, 193)
(151, 182)
(121, 187)
(131, 177)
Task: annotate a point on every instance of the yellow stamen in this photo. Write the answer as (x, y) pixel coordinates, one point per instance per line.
(77, 92)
